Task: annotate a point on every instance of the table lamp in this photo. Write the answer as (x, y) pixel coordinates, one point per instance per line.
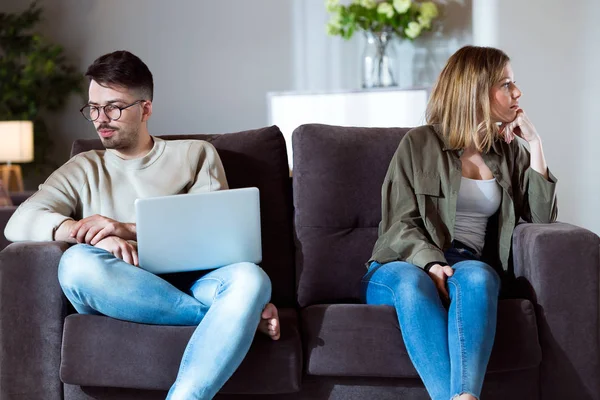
(16, 145)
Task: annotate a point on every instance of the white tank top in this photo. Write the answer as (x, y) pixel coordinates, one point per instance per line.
(477, 201)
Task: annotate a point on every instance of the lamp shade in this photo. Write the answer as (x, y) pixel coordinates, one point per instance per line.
(16, 141)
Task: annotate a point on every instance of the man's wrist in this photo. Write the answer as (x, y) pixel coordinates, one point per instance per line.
(63, 232)
(132, 229)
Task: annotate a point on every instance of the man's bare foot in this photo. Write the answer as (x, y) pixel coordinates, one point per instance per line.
(269, 322)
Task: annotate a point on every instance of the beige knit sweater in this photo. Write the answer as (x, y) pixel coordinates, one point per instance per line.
(100, 182)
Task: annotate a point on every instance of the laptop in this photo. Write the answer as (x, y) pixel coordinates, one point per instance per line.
(191, 232)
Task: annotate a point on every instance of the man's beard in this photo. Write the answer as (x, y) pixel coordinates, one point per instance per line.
(120, 140)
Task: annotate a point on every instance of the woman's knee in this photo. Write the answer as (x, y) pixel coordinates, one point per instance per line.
(476, 274)
(406, 281)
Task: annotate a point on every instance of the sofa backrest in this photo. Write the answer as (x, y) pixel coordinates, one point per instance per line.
(7, 211)
(337, 178)
(255, 158)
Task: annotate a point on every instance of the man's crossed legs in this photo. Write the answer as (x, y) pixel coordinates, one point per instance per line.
(228, 305)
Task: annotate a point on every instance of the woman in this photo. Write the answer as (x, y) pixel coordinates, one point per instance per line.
(453, 186)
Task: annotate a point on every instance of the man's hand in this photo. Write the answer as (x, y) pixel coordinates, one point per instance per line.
(440, 274)
(92, 230)
(120, 248)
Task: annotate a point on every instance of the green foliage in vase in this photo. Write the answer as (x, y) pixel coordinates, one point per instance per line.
(35, 77)
(405, 18)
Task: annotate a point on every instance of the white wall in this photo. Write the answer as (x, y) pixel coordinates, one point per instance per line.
(554, 50)
(213, 61)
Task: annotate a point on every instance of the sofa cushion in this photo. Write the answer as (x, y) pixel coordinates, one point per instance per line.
(255, 158)
(378, 350)
(338, 173)
(101, 351)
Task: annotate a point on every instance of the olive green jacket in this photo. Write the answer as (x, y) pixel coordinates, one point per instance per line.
(421, 188)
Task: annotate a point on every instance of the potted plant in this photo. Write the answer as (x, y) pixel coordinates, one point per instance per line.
(35, 77)
(380, 21)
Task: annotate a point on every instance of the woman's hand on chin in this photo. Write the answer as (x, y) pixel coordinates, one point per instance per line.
(521, 126)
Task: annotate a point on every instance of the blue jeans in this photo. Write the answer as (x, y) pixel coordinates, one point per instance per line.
(450, 348)
(225, 303)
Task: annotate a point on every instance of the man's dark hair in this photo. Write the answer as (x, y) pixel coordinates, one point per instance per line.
(121, 68)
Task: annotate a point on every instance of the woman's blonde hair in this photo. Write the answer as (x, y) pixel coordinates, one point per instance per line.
(460, 99)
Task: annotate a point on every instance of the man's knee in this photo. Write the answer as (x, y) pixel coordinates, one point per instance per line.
(74, 269)
(251, 279)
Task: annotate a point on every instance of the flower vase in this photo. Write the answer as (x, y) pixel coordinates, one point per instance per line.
(378, 69)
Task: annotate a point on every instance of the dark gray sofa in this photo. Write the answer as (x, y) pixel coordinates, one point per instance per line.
(332, 347)
(547, 342)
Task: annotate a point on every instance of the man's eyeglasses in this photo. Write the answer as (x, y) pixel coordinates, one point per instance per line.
(113, 112)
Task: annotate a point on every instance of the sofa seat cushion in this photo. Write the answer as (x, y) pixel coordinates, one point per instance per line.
(101, 351)
(365, 341)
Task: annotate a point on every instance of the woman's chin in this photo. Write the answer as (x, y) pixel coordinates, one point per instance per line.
(505, 119)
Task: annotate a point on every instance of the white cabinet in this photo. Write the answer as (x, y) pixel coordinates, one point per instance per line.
(368, 108)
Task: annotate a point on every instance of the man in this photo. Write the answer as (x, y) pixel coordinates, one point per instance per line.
(90, 201)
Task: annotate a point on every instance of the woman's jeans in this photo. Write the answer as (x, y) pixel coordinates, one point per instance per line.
(449, 348)
(225, 303)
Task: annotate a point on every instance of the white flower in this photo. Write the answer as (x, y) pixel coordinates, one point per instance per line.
(368, 3)
(412, 30)
(429, 10)
(424, 22)
(402, 6)
(333, 30)
(335, 22)
(334, 25)
(386, 8)
(331, 5)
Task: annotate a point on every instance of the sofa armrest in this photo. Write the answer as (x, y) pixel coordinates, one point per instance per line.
(5, 214)
(32, 310)
(560, 263)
